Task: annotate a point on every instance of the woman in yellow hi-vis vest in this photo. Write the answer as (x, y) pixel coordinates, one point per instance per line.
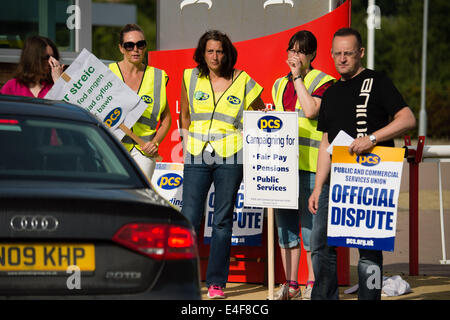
(150, 84)
(300, 91)
(213, 98)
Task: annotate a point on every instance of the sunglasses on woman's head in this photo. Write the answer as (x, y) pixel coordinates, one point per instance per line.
(130, 45)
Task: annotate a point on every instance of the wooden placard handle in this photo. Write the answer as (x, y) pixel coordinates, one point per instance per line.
(137, 139)
(65, 77)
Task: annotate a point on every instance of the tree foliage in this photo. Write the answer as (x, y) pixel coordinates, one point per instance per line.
(398, 53)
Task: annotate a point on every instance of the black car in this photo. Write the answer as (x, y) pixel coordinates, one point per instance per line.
(78, 219)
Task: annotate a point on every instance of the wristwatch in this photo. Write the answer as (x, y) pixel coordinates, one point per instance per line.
(373, 139)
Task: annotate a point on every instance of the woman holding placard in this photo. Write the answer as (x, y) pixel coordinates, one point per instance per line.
(150, 84)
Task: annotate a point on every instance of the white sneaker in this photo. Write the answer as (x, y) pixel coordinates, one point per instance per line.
(282, 293)
(307, 293)
(287, 293)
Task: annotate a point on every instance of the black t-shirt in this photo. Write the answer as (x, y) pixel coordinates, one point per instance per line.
(359, 106)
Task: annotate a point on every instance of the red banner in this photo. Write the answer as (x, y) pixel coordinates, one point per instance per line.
(264, 59)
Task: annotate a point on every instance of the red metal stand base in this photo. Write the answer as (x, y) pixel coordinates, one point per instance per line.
(414, 157)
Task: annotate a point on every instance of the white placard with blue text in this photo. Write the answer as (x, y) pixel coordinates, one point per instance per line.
(167, 180)
(247, 221)
(363, 198)
(90, 84)
(271, 159)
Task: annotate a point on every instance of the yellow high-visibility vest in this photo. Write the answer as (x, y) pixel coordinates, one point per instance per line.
(309, 137)
(219, 123)
(153, 92)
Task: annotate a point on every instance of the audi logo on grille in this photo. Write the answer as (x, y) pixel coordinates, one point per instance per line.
(34, 223)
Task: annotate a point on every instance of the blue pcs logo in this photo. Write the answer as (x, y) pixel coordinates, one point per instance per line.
(170, 181)
(201, 96)
(368, 159)
(270, 124)
(234, 100)
(147, 99)
(113, 117)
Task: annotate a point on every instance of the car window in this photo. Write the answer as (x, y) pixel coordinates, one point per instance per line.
(57, 150)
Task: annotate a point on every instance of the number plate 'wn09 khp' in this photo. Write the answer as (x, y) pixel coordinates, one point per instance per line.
(37, 257)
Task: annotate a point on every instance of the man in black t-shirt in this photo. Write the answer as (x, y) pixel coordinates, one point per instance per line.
(366, 105)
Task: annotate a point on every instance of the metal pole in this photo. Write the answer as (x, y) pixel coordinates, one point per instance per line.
(414, 207)
(371, 34)
(270, 252)
(423, 112)
(441, 214)
(77, 33)
(413, 218)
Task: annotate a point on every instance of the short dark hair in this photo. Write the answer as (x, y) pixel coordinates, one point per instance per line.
(229, 50)
(349, 32)
(33, 65)
(128, 28)
(306, 40)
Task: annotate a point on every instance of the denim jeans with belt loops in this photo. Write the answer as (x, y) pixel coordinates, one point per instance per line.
(324, 261)
(227, 177)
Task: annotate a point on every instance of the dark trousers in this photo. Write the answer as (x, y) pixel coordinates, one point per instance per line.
(197, 181)
(370, 265)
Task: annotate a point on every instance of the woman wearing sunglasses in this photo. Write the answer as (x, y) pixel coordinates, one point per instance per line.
(150, 84)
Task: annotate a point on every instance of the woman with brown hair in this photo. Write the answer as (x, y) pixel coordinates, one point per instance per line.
(214, 96)
(300, 91)
(38, 69)
(150, 84)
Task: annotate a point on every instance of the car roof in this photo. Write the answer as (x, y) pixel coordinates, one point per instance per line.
(18, 105)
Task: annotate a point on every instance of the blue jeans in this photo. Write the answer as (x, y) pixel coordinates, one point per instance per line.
(288, 220)
(196, 184)
(370, 265)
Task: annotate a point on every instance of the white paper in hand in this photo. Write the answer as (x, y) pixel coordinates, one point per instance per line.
(342, 139)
